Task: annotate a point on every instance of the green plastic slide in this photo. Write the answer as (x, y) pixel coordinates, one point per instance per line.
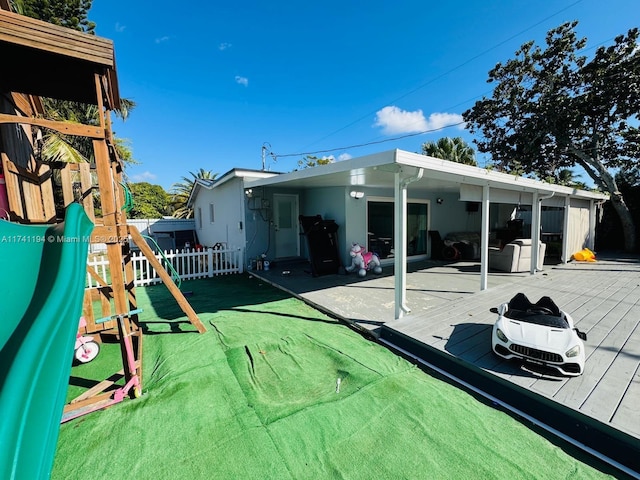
(42, 276)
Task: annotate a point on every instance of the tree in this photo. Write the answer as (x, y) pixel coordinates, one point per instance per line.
(56, 146)
(149, 201)
(182, 190)
(452, 149)
(53, 145)
(66, 13)
(567, 178)
(553, 108)
(312, 161)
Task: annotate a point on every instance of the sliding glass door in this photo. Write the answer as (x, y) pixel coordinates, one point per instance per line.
(380, 231)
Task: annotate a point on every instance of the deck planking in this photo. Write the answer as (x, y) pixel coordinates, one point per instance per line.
(604, 300)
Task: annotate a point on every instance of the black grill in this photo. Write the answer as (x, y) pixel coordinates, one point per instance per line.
(536, 354)
(571, 368)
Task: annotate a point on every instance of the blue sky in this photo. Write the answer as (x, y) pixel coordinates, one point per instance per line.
(215, 81)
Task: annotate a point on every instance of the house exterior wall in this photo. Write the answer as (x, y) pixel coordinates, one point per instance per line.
(258, 216)
(578, 234)
(260, 233)
(331, 204)
(228, 224)
(452, 216)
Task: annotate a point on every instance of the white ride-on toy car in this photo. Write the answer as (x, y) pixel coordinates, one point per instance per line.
(538, 333)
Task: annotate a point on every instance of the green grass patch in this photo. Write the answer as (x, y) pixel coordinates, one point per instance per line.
(256, 397)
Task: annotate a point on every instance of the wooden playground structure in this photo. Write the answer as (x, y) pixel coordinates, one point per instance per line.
(64, 64)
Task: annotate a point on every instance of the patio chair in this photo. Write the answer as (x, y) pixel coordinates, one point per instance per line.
(515, 256)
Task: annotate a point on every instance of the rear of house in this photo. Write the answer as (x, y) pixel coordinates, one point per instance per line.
(260, 210)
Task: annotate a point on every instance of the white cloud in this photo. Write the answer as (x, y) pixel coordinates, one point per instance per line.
(144, 177)
(440, 120)
(344, 156)
(120, 27)
(394, 120)
(224, 46)
(242, 80)
(162, 39)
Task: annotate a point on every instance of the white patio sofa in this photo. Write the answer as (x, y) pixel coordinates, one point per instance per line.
(515, 256)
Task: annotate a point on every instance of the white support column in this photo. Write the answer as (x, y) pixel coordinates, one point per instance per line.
(484, 239)
(400, 241)
(591, 241)
(535, 232)
(400, 253)
(565, 230)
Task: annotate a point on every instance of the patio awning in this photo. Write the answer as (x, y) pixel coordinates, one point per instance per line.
(405, 172)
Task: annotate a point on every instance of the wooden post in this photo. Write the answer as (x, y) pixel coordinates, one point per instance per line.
(166, 278)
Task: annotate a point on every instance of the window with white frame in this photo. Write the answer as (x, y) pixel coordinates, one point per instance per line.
(211, 213)
(199, 218)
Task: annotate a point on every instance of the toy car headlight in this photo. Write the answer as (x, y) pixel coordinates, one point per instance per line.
(574, 352)
(502, 336)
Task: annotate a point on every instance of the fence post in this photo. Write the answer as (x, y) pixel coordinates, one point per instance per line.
(210, 262)
(240, 259)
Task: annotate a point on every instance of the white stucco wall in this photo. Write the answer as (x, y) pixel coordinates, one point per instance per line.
(228, 224)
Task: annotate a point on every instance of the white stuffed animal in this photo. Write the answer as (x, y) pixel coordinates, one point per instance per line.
(363, 261)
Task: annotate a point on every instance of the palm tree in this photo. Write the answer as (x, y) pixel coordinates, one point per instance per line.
(452, 149)
(567, 178)
(182, 190)
(55, 146)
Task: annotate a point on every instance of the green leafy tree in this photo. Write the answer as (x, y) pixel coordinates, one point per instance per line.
(65, 13)
(552, 108)
(313, 161)
(182, 190)
(452, 149)
(53, 145)
(149, 201)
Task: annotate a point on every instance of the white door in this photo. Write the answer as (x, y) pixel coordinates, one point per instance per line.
(285, 221)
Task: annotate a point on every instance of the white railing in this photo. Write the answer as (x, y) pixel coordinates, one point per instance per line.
(188, 264)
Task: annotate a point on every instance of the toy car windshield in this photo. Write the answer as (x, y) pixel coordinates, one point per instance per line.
(544, 312)
(538, 318)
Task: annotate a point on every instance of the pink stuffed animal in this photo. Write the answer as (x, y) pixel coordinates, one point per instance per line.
(363, 261)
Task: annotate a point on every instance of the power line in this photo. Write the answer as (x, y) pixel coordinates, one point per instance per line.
(369, 143)
(447, 72)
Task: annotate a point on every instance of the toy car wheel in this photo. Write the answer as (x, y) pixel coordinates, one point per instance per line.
(87, 352)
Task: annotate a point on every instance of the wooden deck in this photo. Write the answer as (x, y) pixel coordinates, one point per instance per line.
(451, 328)
(604, 300)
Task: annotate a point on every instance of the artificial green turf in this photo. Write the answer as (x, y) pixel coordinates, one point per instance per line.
(256, 397)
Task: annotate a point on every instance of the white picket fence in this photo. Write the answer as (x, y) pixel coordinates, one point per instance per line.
(189, 264)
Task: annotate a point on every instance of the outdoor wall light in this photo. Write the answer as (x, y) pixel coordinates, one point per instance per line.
(439, 200)
(356, 195)
(249, 193)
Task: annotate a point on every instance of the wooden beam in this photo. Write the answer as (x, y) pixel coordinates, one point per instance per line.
(87, 190)
(166, 278)
(92, 271)
(66, 128)
(67, 185)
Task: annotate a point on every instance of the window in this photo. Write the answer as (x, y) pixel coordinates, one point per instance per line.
(199, 218)
(380, 228)
(211, 213)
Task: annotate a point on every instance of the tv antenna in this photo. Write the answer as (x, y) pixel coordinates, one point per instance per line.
(266, 149)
